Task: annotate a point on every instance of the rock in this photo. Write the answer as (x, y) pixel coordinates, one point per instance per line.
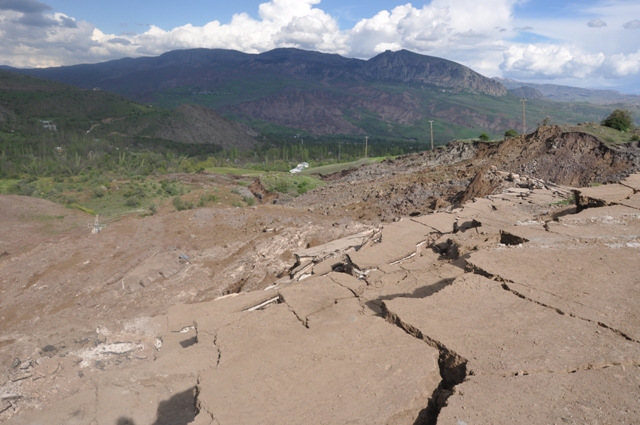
(49, 350)
(20, 375)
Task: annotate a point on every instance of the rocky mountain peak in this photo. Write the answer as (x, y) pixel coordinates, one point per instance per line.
(409, 67)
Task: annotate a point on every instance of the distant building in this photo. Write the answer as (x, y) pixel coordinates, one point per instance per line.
(49, 125)
(300, 167)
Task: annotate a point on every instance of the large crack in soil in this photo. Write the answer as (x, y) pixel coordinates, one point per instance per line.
(504, 283)
(453, 369)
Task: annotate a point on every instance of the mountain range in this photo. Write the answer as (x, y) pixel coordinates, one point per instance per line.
(393, 95)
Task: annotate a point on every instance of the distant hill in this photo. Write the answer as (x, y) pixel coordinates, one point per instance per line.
(25, 99)
(527, 92)
(571, 94)
(393, 95)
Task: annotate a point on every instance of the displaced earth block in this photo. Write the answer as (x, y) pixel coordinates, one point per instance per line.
(510, 308)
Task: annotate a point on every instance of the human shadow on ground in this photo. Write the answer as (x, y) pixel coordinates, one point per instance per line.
(180, 409)
(421, 292)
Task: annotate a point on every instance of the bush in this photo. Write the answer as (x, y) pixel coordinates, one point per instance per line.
(635, 138)
(484, 137)
(207, 198)
(132, 202)
(619, 119)
(250, 200)
(510, 133)
(179, 204)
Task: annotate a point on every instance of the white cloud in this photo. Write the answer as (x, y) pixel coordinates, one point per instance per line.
(596, 23)
(632, 25)
(483, 35)
(621, 65)
(549, 61)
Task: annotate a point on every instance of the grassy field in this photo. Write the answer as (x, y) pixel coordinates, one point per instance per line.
(234, 171)
(609, 136)
(335, 168)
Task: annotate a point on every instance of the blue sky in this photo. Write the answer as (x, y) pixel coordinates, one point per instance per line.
(593, 43)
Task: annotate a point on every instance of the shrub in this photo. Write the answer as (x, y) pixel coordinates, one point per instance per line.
(180, 204)
(619, 119)
(250, 200)
(545, 122)
(510, 133)
(303, 187)
(207, 198)
(484, 137)
(635, 138)
(132, 202)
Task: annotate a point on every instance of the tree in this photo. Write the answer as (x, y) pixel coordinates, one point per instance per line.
(619, 119)
(510, 133)
(484, 137)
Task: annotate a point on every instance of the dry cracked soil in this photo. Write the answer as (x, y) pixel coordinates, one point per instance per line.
(457, 287)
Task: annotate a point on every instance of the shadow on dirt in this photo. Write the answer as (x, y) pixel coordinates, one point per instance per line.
(180, 409)
(422, 292)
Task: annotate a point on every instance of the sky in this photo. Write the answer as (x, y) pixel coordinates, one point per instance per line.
(587, 43)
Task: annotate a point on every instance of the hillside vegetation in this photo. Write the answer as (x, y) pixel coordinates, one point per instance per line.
(289, 91)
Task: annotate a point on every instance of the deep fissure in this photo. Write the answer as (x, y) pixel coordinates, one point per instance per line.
(453, 370)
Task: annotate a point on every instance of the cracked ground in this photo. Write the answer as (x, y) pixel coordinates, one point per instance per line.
(508, 309)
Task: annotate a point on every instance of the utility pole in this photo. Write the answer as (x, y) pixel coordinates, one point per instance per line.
(431, 125)
(96, 227)
(338, 151)
(524, 116)
(366, 145)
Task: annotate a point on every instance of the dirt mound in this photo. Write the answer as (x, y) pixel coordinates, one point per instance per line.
(569, 158)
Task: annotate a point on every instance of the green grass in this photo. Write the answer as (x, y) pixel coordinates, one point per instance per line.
(41, 217)
(335, 168)
(5, 184)
(233, 171)
(290, 184)
(569, 201)
(82, 208)
(610, 136)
